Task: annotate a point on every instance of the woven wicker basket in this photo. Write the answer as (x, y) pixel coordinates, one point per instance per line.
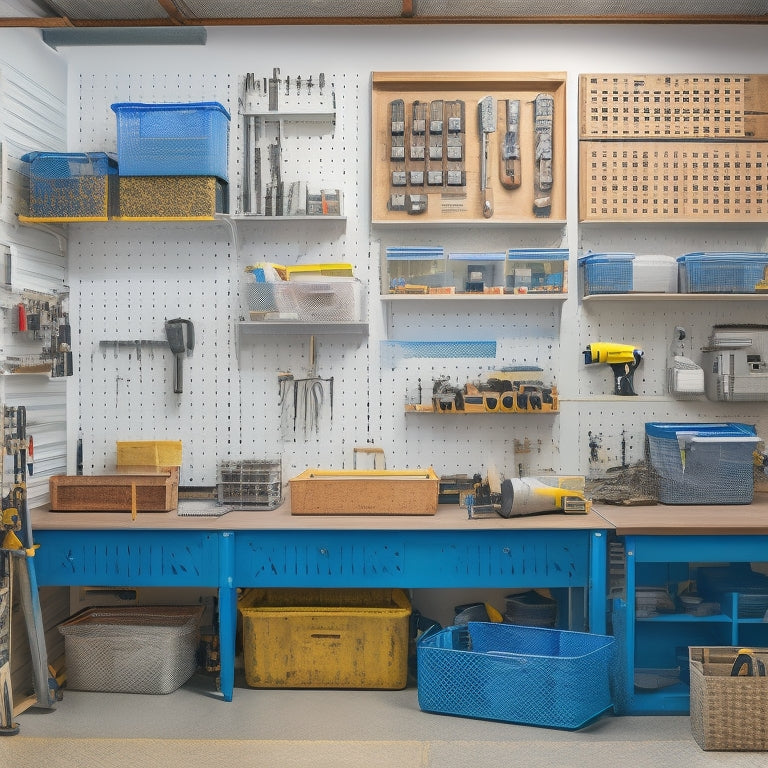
(727, 713)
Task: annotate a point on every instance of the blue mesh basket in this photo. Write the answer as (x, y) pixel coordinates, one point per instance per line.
(516, 674)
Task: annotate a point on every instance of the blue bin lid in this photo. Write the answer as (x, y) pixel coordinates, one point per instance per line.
(605, 258)
(714, 256)
(137, 106)
(105, 162)
(670, 430)
(537, 254)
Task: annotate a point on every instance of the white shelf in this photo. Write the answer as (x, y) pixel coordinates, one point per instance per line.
(415, 221)
(473, 297)
(315, 116)
(621, 297)
(255, 217)
(287, 327)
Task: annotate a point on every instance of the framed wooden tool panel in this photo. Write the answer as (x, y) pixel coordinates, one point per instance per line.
(467, 147)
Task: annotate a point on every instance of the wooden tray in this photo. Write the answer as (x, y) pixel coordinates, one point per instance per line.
(113, 493)
(364, 492)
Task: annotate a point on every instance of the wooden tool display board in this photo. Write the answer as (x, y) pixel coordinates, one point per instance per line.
(673, 106)
(673, 147)
(677, 180)
(446, 203)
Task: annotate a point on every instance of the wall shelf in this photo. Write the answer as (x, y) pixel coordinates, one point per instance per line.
(287, 327)
(559, 297)
(613, 297)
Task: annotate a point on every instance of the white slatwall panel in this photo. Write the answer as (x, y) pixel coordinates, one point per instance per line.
(32, 116)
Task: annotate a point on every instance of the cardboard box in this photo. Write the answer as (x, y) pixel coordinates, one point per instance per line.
(364, 492)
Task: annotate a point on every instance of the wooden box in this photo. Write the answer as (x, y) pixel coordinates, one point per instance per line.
(449, 182)
(113, 493)
(364, 492)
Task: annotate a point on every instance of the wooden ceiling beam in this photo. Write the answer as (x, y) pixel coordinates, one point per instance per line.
(53, 22)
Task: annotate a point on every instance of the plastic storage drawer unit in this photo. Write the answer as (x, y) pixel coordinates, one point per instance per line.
(71, 186)
(325, 638)
(723, 272)
(702, 463)
(517, 674)
(172, 139)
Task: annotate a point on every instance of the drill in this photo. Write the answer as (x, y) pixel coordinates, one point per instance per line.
(623, 359)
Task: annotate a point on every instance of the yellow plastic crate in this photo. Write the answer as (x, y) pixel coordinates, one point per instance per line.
(325, 638)
(149, 453)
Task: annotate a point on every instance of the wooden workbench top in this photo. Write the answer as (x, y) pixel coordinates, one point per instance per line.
(447, 518)
(682, 520)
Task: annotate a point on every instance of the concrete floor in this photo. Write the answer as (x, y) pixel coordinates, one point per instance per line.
(335, 728)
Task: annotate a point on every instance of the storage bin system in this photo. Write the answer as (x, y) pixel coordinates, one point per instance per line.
(627, 273)
(132, 649)
(325, 638)
(251, 483)
(723, 272)
(517, 674)
(71, 186)
(702, 463)
(317, 300)
(532, 270)
(173, 160)
(728, 712)
(417, 269)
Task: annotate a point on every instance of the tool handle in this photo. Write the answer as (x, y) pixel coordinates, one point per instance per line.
(178, 373)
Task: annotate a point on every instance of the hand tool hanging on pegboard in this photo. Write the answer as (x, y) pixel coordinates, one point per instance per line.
(543, 115)
(16, 517)
(509, 171)
(486, 109)
(181, 339)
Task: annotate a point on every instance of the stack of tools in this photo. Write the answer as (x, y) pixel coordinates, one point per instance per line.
(509, 390)
(18, 544)
(475, 612)
(42, 341)
(653, 601)
(172, 160)
(265, 104)
(531, 609)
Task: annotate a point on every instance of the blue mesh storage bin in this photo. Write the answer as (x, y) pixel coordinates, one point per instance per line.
(172, 139)
(516, 674)
(722, 272)
(606, 273)
(68, 186)
(702, 463)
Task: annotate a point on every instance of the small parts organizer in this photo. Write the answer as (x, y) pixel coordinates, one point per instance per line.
(686, 147)
(457, 146)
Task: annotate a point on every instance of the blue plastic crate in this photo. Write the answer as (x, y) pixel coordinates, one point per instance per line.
(172, 139)
(516, 674)
(606, 273)
(67, 186)
(702, 463)
(722, 272)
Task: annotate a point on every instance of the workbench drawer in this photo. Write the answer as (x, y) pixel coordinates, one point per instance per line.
(128, 558)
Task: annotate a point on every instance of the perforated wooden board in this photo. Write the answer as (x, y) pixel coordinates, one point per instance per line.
(673, 106)
(464, 203)
(687, 181)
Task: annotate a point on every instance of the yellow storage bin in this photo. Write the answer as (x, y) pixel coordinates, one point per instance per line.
(148, 454)
(325, 638)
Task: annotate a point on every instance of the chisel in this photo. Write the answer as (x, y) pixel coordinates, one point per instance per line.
(181, 339)
(509, 172)
(486, 109)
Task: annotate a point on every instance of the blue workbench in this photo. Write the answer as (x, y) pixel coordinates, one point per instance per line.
(276, 549)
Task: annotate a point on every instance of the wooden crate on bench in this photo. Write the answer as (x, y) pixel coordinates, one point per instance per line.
(113, 493)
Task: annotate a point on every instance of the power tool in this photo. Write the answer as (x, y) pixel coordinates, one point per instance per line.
(623, 359)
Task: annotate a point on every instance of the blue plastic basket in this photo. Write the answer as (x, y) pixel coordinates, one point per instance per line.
(722, 272)
(516, 674)
(702, 463)
(606, 273)
(64, 186)
(172, 139)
